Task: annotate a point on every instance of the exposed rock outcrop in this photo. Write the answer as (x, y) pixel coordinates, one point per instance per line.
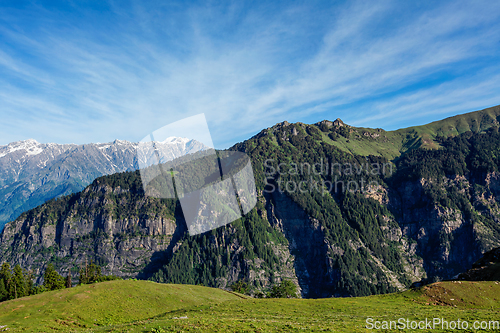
(89, 227)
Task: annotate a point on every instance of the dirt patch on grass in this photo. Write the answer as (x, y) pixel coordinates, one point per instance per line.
(81, 296)
(436, 294)
(462, 294)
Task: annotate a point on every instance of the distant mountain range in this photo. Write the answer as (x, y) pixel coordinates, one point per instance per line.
(32, 173)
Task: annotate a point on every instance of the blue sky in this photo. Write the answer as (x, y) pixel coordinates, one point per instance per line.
(95, 71)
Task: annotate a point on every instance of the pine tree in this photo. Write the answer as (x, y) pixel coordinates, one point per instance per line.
(286, 289)
(4, 294)
(93, 272)
(19, 282)
(68, 280)
(51, 279)
(29, 277)
(90, 273)
(83, 274)
(6, 276)
(241, 287)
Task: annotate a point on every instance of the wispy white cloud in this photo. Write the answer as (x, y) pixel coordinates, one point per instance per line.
(440, 101)
(82, 75)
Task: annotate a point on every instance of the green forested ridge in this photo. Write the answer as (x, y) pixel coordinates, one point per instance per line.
(338, 213)
(347, 217)
(475, 122)
(472, 156)
(434, 208)
(477, 154)
(125, 202)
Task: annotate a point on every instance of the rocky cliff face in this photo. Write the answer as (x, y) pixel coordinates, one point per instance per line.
(314, 254)
(448, 239)
(307, 244)
(91, 225)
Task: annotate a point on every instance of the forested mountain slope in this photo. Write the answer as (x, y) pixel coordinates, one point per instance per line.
(333, 215)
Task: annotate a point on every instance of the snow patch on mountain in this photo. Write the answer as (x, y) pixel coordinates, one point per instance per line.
(173, 139)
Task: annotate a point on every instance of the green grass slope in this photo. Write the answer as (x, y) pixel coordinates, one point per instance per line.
(476, 301)
(139, 306)
(476, 122)
(368, 141)
(105, 303)
(391, 144)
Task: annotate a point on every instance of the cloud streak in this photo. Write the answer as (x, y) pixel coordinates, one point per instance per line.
(122, 71)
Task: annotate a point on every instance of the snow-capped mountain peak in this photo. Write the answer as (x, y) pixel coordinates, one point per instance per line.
(31, 146)
(30, 172)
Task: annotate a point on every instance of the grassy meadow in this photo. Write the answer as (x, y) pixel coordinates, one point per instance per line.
(142, 306)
